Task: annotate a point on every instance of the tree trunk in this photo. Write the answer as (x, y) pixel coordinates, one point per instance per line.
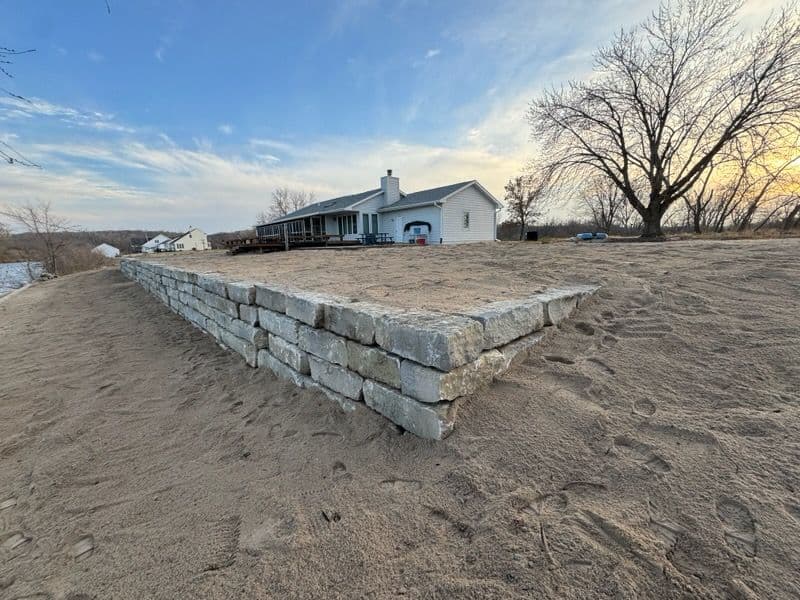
(651, 219)
(522, 231)
(790, 221)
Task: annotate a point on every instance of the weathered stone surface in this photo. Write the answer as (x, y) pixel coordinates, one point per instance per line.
(430, 385)
(289, 353)
(248, 314)
(324, 344)
(212, 282)
(339, 379)
(308, 307)
(345, 403)
(218, 303)
(254, 335)
(436, 340)
(271, 296)
(560, 302)
(280, 369)
(213, 314)
(279, 324)
(507, 320)
(373, 363)
(519, 350)
(247, 350)
(430, 421)
(353, 320)
(243, 292)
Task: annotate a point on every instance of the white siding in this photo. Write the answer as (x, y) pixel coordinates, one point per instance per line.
(482, 215)
(370, 207)
(430, 214)
(194, 240)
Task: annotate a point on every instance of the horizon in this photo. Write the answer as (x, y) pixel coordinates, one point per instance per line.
(157, 117)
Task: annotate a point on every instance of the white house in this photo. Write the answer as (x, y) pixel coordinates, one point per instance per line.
(194, 239)
(155, 244)
(451, 214)
(107, 250)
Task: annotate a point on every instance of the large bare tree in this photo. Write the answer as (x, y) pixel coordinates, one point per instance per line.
(46, 228)
(670, 95)
(527, 198)
(284, 201)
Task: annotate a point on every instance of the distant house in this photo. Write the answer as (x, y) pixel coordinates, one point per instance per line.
(451, 214)
(194, 239)
(155, 244)
(107, 250)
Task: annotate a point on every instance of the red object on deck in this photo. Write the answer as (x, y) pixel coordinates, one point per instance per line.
(421, 241)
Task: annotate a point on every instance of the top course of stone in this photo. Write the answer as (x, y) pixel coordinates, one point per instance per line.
(438, 278)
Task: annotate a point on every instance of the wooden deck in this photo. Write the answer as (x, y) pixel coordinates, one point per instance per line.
(279, 243)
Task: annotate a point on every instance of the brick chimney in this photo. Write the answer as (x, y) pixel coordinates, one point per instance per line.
(390, 186)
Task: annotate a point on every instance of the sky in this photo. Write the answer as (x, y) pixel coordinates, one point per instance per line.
(170, 114)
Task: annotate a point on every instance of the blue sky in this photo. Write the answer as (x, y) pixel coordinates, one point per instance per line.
(165, 114)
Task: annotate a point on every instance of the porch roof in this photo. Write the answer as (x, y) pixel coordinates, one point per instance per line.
(325, 207)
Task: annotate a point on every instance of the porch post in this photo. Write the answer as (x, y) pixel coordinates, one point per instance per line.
(285, 237)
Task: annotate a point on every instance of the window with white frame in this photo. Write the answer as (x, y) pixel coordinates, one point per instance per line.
(348, 224)
(466, 219)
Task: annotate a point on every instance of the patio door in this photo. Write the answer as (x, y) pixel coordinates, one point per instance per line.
(365, 223)
(398, 229)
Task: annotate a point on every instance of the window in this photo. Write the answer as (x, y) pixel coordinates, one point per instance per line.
(374, 223)
(348, 224)
(466, 219)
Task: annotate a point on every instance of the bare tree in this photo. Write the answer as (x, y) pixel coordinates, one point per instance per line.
(527, 198)
(285, 201)
(47, 229)
(7, 152)
(602, 202)
(670, 95)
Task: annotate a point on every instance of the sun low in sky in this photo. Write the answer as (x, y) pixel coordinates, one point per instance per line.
(158, 115)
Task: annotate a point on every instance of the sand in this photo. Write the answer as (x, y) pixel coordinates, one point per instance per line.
(649, 449)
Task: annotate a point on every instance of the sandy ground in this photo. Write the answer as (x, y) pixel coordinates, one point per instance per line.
(650, 449)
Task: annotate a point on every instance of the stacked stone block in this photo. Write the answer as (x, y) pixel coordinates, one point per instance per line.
(410, 366)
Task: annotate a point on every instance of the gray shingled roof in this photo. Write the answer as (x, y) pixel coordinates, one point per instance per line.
(425, 196)
(326, 206)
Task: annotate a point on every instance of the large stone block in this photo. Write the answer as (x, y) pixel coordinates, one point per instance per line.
(279, 324)
(353, 320)
(560, 302)
(289, 353)
(507, 320)
(339, 379)
(308, 307)
(212, 282)
(373, 363)
(324, 344)
(213, 314)
(431, 385)
(432, 339)
(430, 421)
(271, 296)
(247, 350)
(243, 292)
(254, 335)
(346, 404)
(248, 314)
(219, 303)
(280, 369)
(519, 350)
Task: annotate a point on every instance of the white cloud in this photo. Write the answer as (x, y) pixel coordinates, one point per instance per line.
(433, 52)
(225, 128)
(95, 56)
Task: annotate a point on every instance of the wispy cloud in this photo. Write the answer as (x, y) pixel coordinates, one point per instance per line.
(432, 52)
(95, 56)
(225, 128)
(17, 108)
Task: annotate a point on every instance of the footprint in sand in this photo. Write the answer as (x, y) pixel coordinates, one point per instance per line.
(559, 359)
(15, 540)
(644, 408)
(584, 328)
(642, 453)
(599, 365)
(83, 547)
(8, 503)
(400, 485)
(739, 525)
(666, 530)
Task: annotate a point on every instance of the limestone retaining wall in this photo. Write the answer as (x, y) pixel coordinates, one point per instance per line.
(407, 365)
